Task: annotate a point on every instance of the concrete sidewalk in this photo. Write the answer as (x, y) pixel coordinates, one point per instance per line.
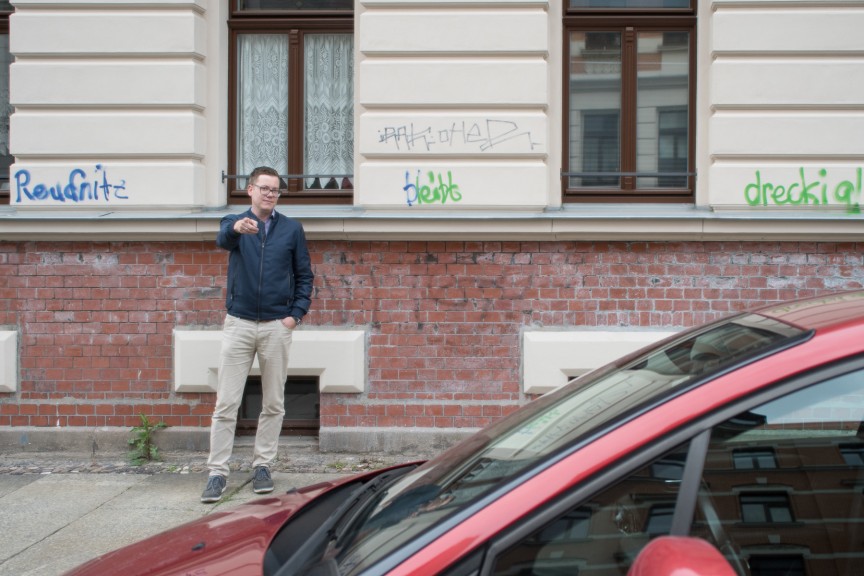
(51, 523)
(60, 510)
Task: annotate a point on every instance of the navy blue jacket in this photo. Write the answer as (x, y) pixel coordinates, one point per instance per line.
(269, 278)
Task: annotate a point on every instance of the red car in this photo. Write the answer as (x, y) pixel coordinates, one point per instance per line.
(739, 443)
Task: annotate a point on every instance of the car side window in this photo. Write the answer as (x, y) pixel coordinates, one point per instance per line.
(781, 492)
(782, 489)
(604, 534)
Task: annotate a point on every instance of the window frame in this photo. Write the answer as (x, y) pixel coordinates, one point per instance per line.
(292, 423)
(760, 564)
(764, 507)
(5, 183)
(629, 23)
(757, 458)
(294, 24)
(848, 449)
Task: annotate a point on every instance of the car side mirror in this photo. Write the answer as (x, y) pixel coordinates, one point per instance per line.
(681, 556)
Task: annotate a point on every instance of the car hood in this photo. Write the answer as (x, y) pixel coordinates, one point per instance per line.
(232, 541)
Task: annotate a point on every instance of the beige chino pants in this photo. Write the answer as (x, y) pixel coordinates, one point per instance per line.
(241, 341)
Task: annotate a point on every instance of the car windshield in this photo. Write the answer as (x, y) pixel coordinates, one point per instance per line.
(475, 468)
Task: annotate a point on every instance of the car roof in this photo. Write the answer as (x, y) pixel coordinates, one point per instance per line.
(820, 313)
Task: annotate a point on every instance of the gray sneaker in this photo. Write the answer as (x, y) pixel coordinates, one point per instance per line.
(262, 483)
(216, 485)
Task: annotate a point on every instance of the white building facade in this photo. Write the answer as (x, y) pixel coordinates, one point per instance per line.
(499, 195)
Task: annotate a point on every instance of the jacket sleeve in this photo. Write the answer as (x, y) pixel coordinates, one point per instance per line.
(227, 238)
(303, 277)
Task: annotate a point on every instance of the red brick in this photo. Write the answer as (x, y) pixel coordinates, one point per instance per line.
(96, 318)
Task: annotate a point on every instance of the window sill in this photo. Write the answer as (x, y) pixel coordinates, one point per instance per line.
(572, 222)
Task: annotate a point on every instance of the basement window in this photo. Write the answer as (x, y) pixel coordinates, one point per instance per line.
(302, 407)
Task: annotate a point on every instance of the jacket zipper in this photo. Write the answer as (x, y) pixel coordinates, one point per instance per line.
(261, 274)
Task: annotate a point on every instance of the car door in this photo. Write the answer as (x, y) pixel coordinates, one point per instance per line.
(775, 481)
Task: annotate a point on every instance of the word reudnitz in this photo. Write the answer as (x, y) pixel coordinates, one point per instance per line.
(76, 189)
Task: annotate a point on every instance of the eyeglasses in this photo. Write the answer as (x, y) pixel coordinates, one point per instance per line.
(267, 191)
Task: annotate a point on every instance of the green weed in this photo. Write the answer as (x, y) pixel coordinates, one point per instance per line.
(143, 448)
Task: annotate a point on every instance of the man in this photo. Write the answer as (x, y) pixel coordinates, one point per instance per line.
(269, 291)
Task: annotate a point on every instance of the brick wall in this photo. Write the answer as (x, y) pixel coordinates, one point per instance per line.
(95, 320)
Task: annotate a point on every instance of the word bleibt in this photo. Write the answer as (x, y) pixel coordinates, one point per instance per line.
(440, 191)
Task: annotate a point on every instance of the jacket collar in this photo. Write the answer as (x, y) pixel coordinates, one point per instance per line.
(274, 216)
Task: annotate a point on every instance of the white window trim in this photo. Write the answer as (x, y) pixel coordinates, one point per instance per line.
(336, 357)
(551, 358)
(8, 361)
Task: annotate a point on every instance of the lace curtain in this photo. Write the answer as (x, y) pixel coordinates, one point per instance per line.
(329, 110)
(328, 124)
(263, 106)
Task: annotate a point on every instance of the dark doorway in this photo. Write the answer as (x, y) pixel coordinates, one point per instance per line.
(302, 407)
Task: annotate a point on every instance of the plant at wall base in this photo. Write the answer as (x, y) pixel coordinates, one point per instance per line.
(143, 447)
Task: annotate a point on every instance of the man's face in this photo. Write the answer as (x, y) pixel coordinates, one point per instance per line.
(262, 192)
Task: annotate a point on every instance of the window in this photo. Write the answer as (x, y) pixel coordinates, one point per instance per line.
(572, 526)
(776, 566)
(754, 459)
(302, 406)
(630, 81)
(602, 153)
(5, 107)
(765, 508)
(853, 454)
(603, 535)
(291, 98)
(795, 515)
(659, 520)
(670, 468)
(672, 147)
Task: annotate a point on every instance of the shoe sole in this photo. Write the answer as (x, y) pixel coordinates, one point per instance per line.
(211, 499)
(265, 489)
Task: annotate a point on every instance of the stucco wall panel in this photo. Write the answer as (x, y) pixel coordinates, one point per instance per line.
(108, 134)
(762, 29)
(817, 134)
(810, 82)
(445, 133)
(462, 3)
(124, 83)
(456, 32)
(109, 185)
(808, 186)
(136, 32)
(784, 83)
(433, 82)
(453, 185)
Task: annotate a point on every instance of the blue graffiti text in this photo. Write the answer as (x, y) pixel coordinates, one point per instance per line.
(77, 188)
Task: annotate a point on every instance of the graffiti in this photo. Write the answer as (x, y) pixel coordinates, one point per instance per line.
(435, 192)
(806, 192)
(77, 187)
(484, 135)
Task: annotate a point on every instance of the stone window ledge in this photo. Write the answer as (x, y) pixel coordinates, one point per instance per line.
(551, 358)
(336, 357)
